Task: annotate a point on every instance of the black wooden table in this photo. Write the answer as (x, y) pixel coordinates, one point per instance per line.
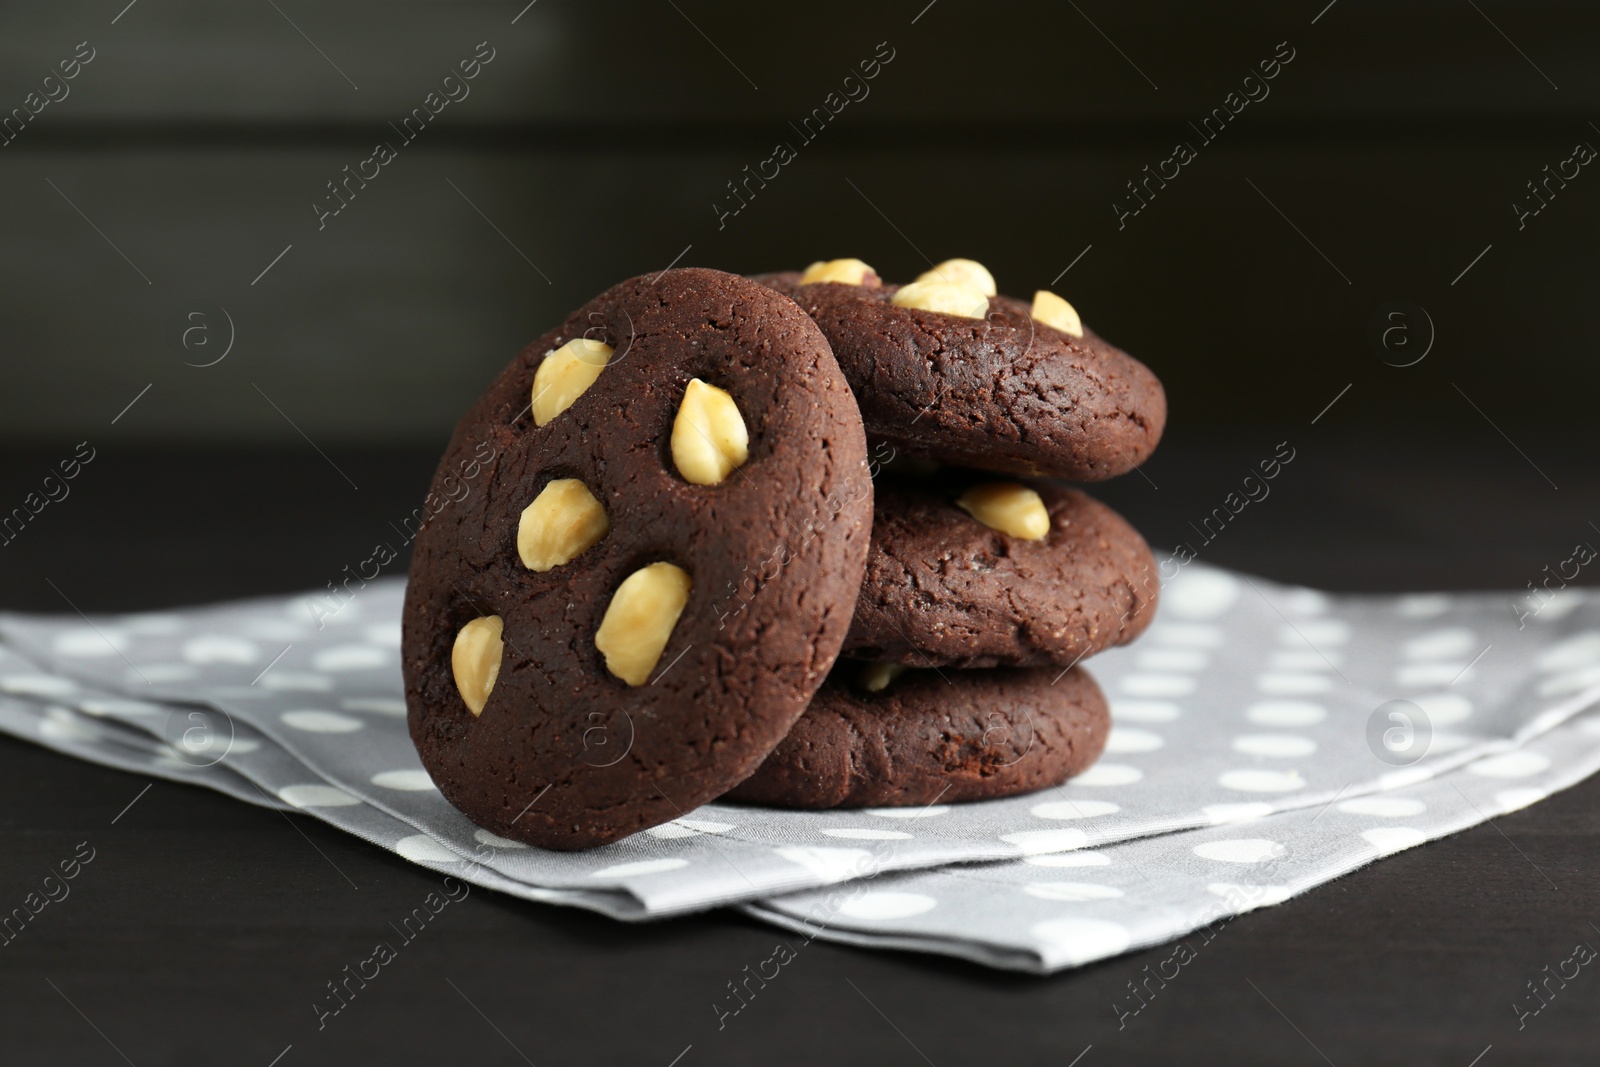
(204, 930)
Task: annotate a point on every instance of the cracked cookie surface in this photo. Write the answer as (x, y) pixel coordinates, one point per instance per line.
(943, 589)
(931, 737)
(1000, 393)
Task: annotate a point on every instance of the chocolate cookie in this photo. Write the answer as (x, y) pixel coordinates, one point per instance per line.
(786, 282)
(642, 576)
(987, 574)
(967, 377)
(927, 737)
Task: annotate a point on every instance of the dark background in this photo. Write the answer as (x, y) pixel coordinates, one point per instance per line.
(188, 154)
(602, 133)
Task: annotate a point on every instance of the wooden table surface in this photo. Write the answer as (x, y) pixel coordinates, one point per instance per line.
(204, 930)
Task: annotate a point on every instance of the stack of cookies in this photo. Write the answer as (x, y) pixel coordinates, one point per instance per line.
(788, 540)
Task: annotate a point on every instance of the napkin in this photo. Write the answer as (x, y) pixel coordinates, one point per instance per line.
(1248, 702)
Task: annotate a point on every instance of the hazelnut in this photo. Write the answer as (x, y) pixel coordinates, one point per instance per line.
(875, 677)
(709, 438)
(1008, 507)
(968, 272)
(639, 620)
(1051, 310)
(563, 521)
(565, 374)
(947, 298)
(848, 271)
(475, 660)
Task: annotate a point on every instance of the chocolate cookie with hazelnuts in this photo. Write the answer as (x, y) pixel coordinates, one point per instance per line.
(969, 572)
(883, 736)
(583, 650)
(947, 369)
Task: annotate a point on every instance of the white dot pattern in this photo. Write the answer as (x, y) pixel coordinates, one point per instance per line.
(322, 722)
(1126, 739)
(1073, 809)
(405, 781)
(1072, 892)
(1237, 771)
(1452, 642)
(881, 906)
(1240, 850)
(316, 796)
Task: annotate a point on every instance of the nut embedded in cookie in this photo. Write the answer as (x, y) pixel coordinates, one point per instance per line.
(875, 677)
(563, 522)
(968, 272)
(1008, 507)
(640, 619)
(709, 438)
(565, 374)
(846, 271)
(475, 660)
(947, 298)
(1055, 312)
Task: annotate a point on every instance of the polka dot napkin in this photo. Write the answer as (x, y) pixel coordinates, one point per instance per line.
(1057, 910)
(1266, 739)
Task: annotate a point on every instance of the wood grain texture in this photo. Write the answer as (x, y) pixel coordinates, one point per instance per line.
(602, 139)
(385, 324)
(718, 59)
